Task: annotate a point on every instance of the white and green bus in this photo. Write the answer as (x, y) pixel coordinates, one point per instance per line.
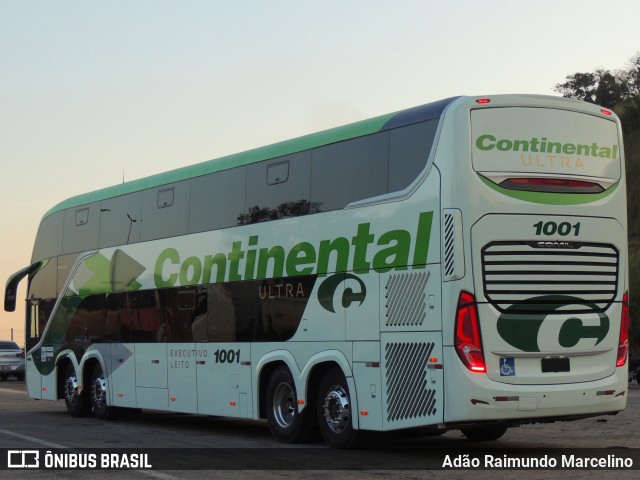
(457, 265)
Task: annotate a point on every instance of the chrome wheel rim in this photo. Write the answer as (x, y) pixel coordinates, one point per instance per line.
(284, 405)
(99, 392)
(337, 413)
(71, 389)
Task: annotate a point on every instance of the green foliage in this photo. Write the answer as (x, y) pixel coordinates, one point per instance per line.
(604, 87)
(632, 155)
(629, 113)
(631, 75)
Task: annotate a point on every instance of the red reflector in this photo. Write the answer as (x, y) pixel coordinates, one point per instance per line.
(483, 101)
(468, 342)
(605, 392)
(623, 342)
(605, 112)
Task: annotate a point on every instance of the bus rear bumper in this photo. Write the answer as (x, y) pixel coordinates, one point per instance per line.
(491, 400)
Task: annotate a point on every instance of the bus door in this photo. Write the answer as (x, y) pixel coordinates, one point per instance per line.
(34, 383)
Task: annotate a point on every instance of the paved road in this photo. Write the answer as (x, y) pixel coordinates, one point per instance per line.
(26, 423)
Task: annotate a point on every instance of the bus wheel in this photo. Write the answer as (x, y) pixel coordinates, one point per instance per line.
(98, 391)
(287, 424)
(485, 433)
(334, 410)
(78, 403)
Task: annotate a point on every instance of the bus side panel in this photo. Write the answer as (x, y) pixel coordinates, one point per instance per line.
(363, 311)
(151, 365)
(151, 376)
(50, 385)
(152, 398)
(367, 379)
(413, 380)
(122, 379)
(34, 379)
(224, 379)
(181, 375)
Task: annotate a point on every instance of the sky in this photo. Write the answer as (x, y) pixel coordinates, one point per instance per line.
(92, 93)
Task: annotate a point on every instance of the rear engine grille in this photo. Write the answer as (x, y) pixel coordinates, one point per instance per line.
(405, 296)
(408, 395)
(535, 273)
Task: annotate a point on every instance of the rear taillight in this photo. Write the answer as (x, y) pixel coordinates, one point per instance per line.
(468, 341)
(623, 343)
(552, 185)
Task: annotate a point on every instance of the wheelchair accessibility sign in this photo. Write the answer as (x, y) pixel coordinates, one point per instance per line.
(507, 367)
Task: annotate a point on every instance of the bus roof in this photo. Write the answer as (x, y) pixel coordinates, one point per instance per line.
(287, 147)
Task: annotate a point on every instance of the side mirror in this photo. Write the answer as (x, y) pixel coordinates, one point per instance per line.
(11, 289)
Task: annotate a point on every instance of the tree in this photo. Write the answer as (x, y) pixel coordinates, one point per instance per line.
(601, 87)
(580, 86)
(632, 75)
(610, 89)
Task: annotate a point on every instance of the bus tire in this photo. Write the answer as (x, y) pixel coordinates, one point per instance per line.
(287, 424)
(334, 410)
(77, 402)
(98, 391)
(485, 433)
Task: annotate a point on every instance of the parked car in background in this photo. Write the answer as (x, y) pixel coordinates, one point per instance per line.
(11, 360)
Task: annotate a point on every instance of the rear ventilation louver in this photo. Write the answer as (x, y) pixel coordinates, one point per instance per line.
(405, 299)
(452, 245)
(541, 273)
(449, 245)
(406, 374)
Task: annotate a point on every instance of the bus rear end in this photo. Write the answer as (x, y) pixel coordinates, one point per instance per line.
(540, 317)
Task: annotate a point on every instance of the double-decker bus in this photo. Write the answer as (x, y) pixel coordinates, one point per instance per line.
(457, 265)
